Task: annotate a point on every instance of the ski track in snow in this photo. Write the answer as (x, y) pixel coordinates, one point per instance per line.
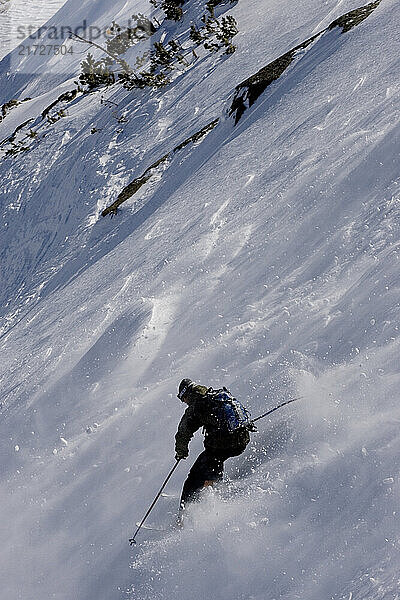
(265, 259)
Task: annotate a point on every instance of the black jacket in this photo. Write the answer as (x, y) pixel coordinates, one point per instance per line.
(198, 414)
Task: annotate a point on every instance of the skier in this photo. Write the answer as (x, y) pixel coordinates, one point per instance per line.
(226, 424)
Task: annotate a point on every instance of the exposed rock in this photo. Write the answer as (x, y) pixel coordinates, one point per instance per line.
(248, 91)
(65, 97)
(133, 187)
(10, 139)
(7, 106)
(137, 183)
(355, 17)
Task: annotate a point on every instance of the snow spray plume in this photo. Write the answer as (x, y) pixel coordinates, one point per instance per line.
(276, 408)
(133, 540)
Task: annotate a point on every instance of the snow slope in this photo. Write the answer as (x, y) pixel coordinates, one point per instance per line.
(265, 259)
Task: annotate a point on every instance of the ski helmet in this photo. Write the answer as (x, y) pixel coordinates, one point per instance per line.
(183, 387)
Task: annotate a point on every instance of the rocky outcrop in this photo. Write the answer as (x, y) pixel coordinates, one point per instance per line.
(137, 183)
(247, 92)
(65, 97)
(7, 106)
(12, 146)
(354, 17)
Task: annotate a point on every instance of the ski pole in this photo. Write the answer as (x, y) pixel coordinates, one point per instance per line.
(133, 540)
(276, 408)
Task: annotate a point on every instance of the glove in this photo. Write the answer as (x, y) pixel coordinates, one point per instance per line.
(181, 454)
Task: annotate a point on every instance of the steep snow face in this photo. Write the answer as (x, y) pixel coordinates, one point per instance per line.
(265, 259)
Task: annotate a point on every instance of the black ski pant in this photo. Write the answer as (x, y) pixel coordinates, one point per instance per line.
(209, 466)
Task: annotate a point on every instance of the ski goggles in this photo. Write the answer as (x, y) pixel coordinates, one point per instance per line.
(182, 392)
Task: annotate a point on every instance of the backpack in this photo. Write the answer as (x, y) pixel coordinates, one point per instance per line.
(229, 414)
